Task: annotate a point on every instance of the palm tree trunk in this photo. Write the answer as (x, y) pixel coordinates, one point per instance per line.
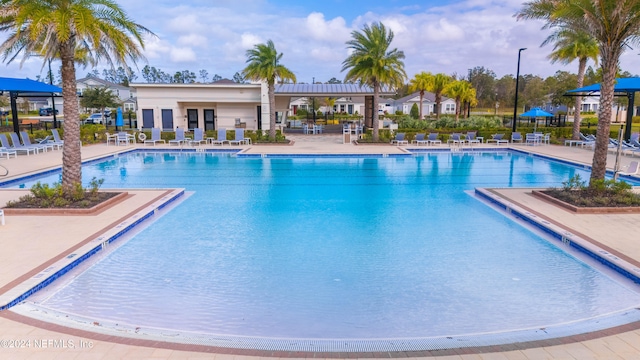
(457, 109)
(578, 101)
(438, 101)
(71, 156)
(599, 166)
(421, 97)
(272, 111)
(375, 122)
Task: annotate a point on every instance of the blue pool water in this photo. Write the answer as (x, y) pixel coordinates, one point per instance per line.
(337, 248)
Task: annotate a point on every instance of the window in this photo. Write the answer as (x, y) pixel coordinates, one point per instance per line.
(129, 107)
(350, 109)
(342, 108)
(449, 108)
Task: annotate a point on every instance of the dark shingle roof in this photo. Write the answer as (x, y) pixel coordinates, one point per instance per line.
(327, 89)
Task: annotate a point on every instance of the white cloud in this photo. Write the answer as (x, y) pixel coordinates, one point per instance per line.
(247, 41)
(334, 30)
(182, 54)
(192, 40)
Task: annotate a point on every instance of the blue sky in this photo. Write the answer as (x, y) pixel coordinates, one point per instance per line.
(437, 36)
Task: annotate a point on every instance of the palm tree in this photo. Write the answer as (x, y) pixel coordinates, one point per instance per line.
(437, 84)
(614, 24)
(420, 82)
(461, 91)
(373, 64)
(264, 65)
(570, 45)
(70, 30)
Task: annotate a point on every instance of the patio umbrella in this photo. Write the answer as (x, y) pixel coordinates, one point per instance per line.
(535, 113)
(119, 120)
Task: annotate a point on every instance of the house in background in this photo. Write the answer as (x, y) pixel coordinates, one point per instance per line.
(351, 105)
(126, 95)
(404, 104)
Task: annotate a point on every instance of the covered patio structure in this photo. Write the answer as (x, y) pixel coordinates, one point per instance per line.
(25, 88)
(624, 87)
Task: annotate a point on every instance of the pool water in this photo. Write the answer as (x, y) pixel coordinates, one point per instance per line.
(339, 247)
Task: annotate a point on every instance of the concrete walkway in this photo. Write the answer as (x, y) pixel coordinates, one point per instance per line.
(53, 236)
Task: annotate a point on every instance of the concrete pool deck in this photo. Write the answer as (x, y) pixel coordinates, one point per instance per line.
(53, 235)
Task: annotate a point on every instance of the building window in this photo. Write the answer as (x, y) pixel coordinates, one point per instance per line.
(350, 109)
(449, 108)
(128, 107)
(342, 108)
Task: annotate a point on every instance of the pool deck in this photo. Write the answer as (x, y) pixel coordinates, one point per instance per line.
(31, 243)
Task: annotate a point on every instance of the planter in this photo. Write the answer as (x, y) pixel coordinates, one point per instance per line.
(290, 143)
(586, 210)
(56, 212)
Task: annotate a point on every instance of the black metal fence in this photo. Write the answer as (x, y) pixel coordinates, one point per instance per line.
(551, 121)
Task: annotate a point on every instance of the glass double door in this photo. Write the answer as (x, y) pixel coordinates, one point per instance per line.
(209, 119)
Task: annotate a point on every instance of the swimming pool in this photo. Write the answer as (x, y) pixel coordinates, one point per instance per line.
(337, 248)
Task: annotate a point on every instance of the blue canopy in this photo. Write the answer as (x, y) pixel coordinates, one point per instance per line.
(623, 85)
(536, 112)
(26, 86)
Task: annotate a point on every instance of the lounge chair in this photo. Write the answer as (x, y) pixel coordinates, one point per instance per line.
(198, 137)
(516, 137)
(498, 139)
(8, 152)
(179, 139)
(399, 140)
(18, 146)
(471, 138)
(420, 140)
(221, 139)
(155, 137)
(636, 144)
(56, 137)
(433, 139)
(27, 142)
(455, 138)
(632, 169)
(239, 140)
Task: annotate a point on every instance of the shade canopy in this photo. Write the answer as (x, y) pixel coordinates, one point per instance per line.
(623, 85)
(536, 112)
(26, 86)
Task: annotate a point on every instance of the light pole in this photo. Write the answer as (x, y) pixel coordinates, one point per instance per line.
(515, 106)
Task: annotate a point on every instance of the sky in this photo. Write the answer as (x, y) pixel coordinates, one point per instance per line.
(442, 36)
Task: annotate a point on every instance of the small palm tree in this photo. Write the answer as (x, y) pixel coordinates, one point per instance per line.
(69, 30)
(264, 65)
(437, 84)
(571, 45)
(461, 91)
(614, 24)
(420, 82)
(372, 63)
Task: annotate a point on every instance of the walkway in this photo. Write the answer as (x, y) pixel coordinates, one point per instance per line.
(51, 236)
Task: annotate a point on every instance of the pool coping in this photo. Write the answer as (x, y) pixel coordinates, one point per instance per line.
(224, 350)
(24, 286)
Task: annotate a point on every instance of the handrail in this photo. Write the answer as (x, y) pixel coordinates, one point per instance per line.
(6, 171)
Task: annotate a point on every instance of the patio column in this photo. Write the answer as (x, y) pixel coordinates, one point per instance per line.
(14, 111)
(627, 129)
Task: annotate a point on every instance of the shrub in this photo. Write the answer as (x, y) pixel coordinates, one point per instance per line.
(414, 112)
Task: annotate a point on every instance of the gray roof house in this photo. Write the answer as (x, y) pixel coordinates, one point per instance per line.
(404, 104)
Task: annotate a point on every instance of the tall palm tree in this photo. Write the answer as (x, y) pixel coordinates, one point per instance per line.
(437, 84)
(264, 65)
(614, 24)
(420, 82)
(95, 30)
(461, 91)
(372, 63)
(571, 45)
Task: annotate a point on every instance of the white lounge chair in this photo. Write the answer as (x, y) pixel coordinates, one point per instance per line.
(221, 139)
(433, 139)
(155, 137)
(179, 139)
(399, 140)
(632, 169)
(27, 142)
(420, 140)
(239, 139)
(198, 137)
(8, 152)
(56, 138)
(18, 146)
(498, 139)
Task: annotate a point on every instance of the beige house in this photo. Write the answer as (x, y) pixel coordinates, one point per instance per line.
(225, 104)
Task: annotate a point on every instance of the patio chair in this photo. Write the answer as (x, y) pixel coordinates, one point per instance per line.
(433, 139)
(420, 140)
(471, 138)
(18, 146)
(221, 139)
(124, 138)
(636, 145)
(198, 137)
(498, 139)
(155, 137)
(516, 137)
(27, 142)
(179, 139)
(239, 139)
(399, 140)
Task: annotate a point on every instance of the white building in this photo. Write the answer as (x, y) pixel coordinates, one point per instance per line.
(404, 104)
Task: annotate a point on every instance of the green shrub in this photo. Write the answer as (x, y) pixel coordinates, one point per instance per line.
(414, 112)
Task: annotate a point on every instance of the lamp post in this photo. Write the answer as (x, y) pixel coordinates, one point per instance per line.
(515, 106)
